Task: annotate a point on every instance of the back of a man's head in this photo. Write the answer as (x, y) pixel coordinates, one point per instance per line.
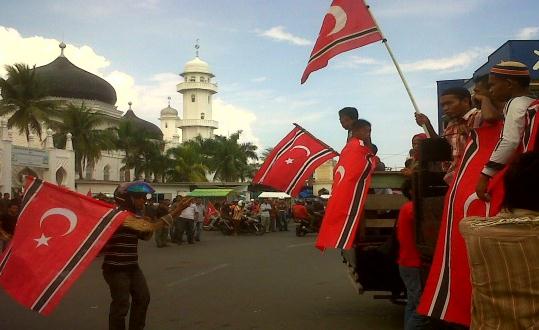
(349, 112)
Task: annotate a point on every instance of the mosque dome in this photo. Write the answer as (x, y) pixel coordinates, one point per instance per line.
(197, 65)
(169, 111)
(64, 79)
(143, 125)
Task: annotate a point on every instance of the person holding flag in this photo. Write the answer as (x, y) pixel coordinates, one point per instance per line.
(120, 265)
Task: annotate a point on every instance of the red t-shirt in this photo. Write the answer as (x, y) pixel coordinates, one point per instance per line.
(300, 212)
(408, 253)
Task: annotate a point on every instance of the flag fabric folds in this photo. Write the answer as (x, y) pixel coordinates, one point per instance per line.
(58, 234)
(351, 182)
(348, 24)
(292, 161)
(448, 293)
(210, 212)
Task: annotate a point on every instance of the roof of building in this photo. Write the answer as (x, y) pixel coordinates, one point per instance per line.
(64, 79)
(169, 111)
(143, 125)
(197, 65)
(217, 192)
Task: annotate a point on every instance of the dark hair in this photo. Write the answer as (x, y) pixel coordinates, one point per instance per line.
(459, 92)
(349, 112)
(521, 182)
(374, 148)
(523, 81)
(481, 79)
(408, 162)
(406, 189)
(361, 123)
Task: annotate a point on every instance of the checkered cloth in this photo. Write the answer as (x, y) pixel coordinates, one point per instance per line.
(456, 133)
(503, 254)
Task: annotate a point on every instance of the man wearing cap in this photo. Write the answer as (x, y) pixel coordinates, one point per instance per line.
(509, 82)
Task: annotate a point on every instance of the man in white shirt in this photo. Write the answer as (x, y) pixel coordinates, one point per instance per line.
(199, 220)
(185, 223)
(509, 82)
(265, 215)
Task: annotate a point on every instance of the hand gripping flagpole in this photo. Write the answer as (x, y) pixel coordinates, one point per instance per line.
(397, 66)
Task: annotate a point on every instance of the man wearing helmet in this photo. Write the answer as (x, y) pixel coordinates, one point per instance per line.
(120, 266)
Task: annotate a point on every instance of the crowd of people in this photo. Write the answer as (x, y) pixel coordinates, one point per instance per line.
(9, 212)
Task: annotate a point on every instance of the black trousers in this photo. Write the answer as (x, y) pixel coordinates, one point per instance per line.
(123, 285)
(184, 225)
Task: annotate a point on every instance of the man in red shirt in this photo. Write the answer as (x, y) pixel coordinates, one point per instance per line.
(299, 211)
(409, 261)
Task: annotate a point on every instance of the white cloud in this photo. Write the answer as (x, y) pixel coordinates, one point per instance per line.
(278, 33)
(527, 33)
(148, 98)
(232, 118)
(426, 8)
(354, 61)
(259, 79)
(455, 62)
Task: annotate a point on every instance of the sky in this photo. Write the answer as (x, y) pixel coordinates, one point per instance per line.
(258, 50)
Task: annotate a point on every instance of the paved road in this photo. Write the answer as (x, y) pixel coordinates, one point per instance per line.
(276, 281)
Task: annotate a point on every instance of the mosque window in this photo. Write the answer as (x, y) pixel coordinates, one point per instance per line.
(89, 171)
(202, 79)
(106, 173)
(192, 79)
(202, 115)
(193, 98)
(166, 125)
(209, 99)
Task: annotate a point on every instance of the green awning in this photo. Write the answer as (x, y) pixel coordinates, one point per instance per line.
(218, 192)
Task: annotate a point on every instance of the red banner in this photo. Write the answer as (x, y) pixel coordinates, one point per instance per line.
(448, 293)
(292, 161)
(58, 234)
(210, 211)
(348, 24)
(351, 182)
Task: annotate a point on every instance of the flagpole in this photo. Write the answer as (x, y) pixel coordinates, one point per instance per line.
(397, 66)
(314, 137)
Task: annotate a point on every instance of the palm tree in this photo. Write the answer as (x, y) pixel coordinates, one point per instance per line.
(228, 158)
(265, 154)
(129, 140)
(22, 98)
(187, 164)
(89, 140)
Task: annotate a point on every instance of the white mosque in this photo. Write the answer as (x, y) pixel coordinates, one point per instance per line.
(67, 84)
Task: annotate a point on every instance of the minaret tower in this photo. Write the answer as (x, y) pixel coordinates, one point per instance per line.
(197, 89)
(168, 119)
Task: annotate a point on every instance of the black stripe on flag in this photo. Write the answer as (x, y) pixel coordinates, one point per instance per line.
(5, 260)
(341, 40)
(309, 162)
(441, 296)
(356, 202)
(53, 287)
(30, 192)
(532, 114)
(279, 153)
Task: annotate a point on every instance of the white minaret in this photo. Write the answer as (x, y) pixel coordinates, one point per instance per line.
(169, 121)
(197, 90)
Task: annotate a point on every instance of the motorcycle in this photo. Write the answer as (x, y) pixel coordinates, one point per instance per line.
(252, 225)
(305, 226)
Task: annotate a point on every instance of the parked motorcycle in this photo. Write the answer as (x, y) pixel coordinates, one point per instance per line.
(305, 227)
(248, 225)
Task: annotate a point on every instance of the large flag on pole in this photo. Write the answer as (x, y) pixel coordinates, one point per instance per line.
(293, 160)
(351, 182)
(58, 234)
(348, 24)
(448, 292)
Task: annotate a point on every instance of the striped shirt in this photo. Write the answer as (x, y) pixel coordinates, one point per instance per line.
(513, 130)
(121, 251)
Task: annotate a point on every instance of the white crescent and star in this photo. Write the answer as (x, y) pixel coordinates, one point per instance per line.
(66, 213)
(307, 151)
(342, 171)
(289, 161)
(340, 18)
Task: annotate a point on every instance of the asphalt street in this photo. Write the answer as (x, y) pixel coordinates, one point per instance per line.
(275, 281)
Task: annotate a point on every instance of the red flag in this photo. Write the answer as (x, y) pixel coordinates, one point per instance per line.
(448, 293)
(58, 234)
(348, 24)
(210, 211)
(292, 161)
(531, 129)
(351, 182)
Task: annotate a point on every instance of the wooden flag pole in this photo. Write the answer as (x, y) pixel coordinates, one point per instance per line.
(397, 66)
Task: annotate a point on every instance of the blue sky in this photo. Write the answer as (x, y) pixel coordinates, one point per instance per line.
(258, 51)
